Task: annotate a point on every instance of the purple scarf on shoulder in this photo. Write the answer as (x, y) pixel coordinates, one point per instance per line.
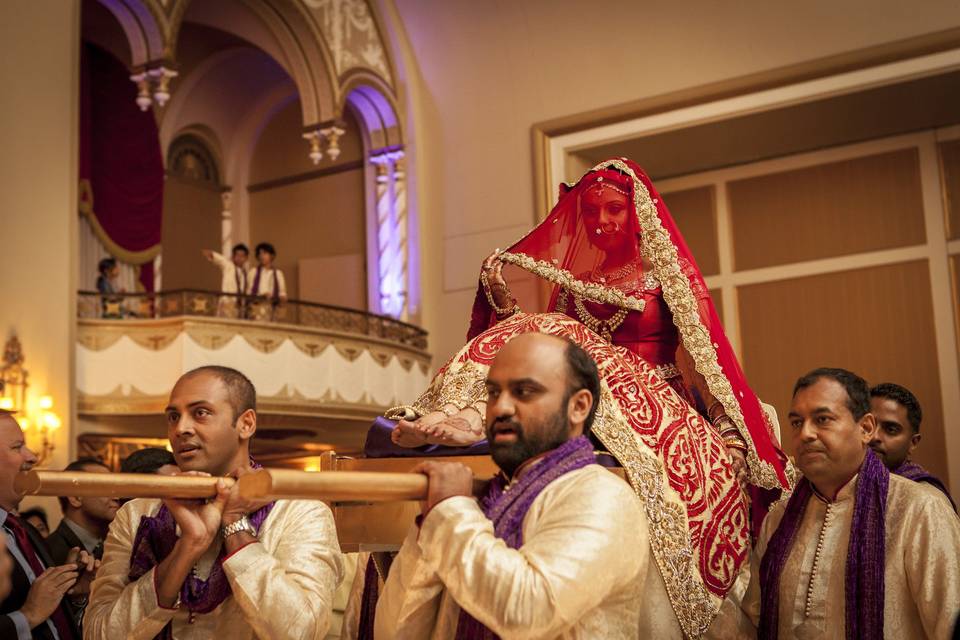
(865, 555)
(507, 509)
(913, 471)
(154, 541)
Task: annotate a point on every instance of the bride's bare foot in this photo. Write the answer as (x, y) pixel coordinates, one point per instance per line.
(462, 429)
(411, 434)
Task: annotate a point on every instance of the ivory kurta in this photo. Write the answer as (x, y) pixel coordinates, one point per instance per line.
(921, 580)
(283, 585)
(579, 574)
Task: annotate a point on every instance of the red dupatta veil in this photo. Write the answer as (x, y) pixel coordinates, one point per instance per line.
(565, 251)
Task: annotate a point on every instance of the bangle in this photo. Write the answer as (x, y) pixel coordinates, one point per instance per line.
(724, 418)
(714, 405)
(732, 443)
(501, 313)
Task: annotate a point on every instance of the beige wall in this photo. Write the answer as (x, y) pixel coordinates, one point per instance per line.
(38, 206)
(478, 76)
(191, 223)
(308, 216)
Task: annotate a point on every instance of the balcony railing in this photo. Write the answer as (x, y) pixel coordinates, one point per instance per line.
(196, 302)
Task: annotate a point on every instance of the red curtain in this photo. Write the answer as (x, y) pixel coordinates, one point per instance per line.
(121, 165)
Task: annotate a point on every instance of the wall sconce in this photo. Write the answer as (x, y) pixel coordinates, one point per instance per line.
(13, 377)
(37, 419)
(41, 422)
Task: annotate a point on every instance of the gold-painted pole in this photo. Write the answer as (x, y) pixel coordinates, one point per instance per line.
(115, 485)
(334, 486)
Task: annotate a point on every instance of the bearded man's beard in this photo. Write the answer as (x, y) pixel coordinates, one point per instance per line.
(509, 456)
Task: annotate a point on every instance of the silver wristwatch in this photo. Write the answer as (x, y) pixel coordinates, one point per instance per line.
(243, 524)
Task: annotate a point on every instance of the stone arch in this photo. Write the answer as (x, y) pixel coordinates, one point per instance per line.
(334, 53)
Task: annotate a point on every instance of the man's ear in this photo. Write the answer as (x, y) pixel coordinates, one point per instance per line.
(247, 424)
(868, 427)
(74, 502)
(914, 441)
(578, 409)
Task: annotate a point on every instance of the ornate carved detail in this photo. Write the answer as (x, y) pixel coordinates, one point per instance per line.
(351, 32)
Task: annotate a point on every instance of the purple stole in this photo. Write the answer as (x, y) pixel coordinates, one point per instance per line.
(154, 541)
(507, 509)
(865, 555)
(913, 471)
(255, 289)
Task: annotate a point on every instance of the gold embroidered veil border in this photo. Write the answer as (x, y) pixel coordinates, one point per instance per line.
(660, 251)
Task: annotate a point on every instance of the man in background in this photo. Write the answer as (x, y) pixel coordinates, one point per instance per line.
(233, 283)
(36, 606)
(268, 287)
(857, 551)
(150, 460)
(85, 520)
(37, 517)
(898, 416)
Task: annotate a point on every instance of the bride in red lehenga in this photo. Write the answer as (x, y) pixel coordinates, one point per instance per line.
(609, 269)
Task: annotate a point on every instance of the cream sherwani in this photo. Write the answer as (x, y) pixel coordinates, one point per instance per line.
(266, 284)
(921, 579)
(232, 275)
(283, 585)
(579, 574)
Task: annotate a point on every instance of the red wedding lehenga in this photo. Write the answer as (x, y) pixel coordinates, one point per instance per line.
(624, 286)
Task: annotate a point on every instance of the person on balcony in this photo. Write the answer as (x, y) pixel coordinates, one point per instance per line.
(225, 568)
(234, 283)
(108, 285)
(268, 288)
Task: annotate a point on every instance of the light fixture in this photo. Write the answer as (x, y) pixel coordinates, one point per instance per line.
(161, 77)
(332, 134)
(143, 90)
(313, 137)
(13, 377)
(39, 426)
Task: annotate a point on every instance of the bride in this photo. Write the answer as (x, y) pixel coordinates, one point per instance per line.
(609, 269)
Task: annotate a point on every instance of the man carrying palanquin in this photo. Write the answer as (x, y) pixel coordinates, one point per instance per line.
(856, 552)
(898, 416)
(227, 568)
(557, 546)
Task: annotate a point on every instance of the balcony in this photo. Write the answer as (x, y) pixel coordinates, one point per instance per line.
(321, 372)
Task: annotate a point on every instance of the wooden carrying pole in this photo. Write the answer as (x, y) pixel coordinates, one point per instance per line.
(265, 484)
(334, 486)
(115, 485)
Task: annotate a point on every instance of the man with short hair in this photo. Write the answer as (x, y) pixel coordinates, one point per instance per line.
(898, 416)
(85, 520)
(234, 282)
(226, 568)
(36, 606)
(37, 517)
(150, 460)
(856, 552)
(267, 285)
(557, 546)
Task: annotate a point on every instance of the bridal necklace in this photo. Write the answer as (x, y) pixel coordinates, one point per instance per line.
(604, 328)
(622, 272)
